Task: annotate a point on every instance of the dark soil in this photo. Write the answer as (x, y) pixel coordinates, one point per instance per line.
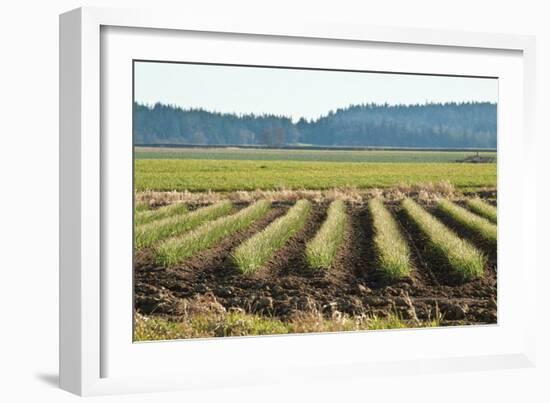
(488, 194)
(286, 286)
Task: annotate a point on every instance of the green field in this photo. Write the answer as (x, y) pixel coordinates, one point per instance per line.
(305, 155)
(226, 175)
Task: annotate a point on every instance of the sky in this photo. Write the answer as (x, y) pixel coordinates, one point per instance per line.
(295, 93)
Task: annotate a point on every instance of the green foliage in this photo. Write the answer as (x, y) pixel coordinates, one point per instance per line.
(147, 234)
(257, 250)
(322, 249)
(483, 209)
(392, 251)
(146, 216)
(172, 251)
(471, 125)
(215, 175)
(238, 324)
(148, 328)
(482, 227)
(142, 206)
(392, 321)
(463, 258)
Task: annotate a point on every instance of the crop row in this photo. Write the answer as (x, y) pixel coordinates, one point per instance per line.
(392, 251)
(322, 249)
(462, 257)
(483, 209)
(257, 250)
(177, 234)
(149, 233)
(174, 250)
(481, 227)
(145, 216)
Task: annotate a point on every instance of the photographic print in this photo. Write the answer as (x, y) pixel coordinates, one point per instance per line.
(273, 200)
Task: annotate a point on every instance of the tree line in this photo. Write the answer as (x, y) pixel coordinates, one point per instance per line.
(453, 125)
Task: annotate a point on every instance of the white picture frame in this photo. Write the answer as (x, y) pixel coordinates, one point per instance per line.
(88, 339)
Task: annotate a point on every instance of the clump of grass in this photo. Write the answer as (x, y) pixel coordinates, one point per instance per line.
(463, 258)
(238, 323)
(480, 226)
(392, 321)
(147, 234)
(483, 209)
(141, 206)
(174, 250)
(392, 251)
(226, 324)
(322, 249)
(257, 250)
(147, 216)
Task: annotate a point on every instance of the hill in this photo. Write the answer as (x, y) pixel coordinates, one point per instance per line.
(453, 125)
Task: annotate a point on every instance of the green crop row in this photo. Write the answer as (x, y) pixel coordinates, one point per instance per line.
(484, 209)
(147, 234)
(322, 249)
(462, 257)
(257, 250)
(147, 216)
(174, 250)
(391, 248)
(480, 226)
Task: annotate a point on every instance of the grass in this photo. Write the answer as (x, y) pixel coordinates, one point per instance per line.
(141, 206)
(236, 323)
(174, 250)
(147, 234)
(219, 175)
(321, 250)
(482, 208)
(257, 250)
(463, 258)
(392, 251)
(206, 325)
(147, 216)
(305, 155)
(480, 226)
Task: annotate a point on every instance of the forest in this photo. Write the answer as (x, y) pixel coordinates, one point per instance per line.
(442, 125)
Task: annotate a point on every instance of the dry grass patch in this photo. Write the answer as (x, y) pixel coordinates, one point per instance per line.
(163, 198)
(349, 194)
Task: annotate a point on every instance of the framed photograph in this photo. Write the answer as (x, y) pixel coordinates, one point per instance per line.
(301, 201)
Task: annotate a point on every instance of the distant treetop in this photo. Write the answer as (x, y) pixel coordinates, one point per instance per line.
(453, 125)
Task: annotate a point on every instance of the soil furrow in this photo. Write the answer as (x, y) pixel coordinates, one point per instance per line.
(286, 286)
